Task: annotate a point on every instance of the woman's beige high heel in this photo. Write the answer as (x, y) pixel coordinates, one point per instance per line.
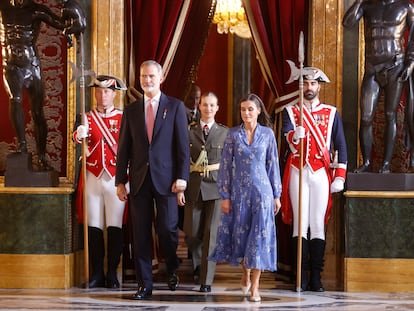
(245, 289)
(255, 299)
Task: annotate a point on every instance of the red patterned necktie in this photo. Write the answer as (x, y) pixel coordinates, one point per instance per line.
(150, 120)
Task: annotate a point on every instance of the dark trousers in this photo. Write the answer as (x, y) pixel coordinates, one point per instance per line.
(146, 206)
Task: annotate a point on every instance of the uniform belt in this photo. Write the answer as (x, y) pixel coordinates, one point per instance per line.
(202, 169)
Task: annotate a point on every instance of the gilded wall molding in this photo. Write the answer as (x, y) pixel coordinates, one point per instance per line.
(325, 46)
(108, 40)
(71, 114)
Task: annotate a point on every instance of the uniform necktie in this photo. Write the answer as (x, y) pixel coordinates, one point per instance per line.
(150, 120)
(205, 131)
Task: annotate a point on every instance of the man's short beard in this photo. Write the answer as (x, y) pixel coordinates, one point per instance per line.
(310, 96)
(149, 89)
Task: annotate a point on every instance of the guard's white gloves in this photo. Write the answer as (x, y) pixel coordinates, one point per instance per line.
(337, 185)
(81, 132)
(299, 133)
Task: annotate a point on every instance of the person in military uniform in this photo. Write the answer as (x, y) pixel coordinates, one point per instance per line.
(321, 131)
(101, 131)
(202, 208)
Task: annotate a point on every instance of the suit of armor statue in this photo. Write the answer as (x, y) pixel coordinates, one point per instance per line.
(74, 19)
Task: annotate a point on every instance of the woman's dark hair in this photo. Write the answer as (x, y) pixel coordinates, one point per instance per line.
(263, 118)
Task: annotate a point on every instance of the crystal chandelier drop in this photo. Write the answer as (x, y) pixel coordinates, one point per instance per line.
(230, 17)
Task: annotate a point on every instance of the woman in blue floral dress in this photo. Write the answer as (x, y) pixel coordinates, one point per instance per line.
(250, 187)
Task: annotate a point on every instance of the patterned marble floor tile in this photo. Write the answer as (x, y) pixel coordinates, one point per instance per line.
(187, 298)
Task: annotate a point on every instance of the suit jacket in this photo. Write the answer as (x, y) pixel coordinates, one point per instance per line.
(168, 155)
(205, 185)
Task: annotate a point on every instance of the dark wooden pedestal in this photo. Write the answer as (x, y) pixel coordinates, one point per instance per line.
(20, 173)
(380, 182)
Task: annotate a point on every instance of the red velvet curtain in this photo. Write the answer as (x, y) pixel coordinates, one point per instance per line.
(275, 27)
(153, 28)
(190, 50)
(150, 30)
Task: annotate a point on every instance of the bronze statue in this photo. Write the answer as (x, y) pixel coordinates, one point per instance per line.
(20, 22)
(388, 64)
(75, 21)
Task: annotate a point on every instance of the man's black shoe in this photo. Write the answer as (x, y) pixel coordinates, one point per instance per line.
(205, 288)
(96, 283)
(317, 288)
(173, 281)
(112, 283)
(142, 293)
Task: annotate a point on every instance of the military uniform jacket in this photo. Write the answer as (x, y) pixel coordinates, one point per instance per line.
(102, 141)
(201, 183)
(324, 133)
(329, 132)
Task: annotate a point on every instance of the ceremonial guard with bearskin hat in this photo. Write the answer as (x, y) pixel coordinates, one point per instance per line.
(323, 172)
(101, 131)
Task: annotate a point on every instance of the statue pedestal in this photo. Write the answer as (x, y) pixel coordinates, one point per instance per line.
(380, 182)
(379, 248)
(20, 173)
(38, 247)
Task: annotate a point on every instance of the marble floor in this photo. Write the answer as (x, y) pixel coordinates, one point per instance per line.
(187, 298)
(277, 292)
(225, 296)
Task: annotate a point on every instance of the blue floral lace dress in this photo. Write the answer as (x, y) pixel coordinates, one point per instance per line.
(249, 176)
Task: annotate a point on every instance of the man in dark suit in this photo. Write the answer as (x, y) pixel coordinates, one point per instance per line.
(191, 102)
(202, 209)
(153, 154)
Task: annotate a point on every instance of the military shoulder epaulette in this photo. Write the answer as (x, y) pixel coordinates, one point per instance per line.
(222, 125)
(192, 124)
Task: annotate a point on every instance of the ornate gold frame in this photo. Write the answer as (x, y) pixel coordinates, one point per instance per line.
(71, 113)
(325, 46)
(108, 40)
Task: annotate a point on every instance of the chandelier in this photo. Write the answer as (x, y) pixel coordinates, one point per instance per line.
(230, 17)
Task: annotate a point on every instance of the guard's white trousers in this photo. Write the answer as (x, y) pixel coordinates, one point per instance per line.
(104, 206)
(315, 195)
